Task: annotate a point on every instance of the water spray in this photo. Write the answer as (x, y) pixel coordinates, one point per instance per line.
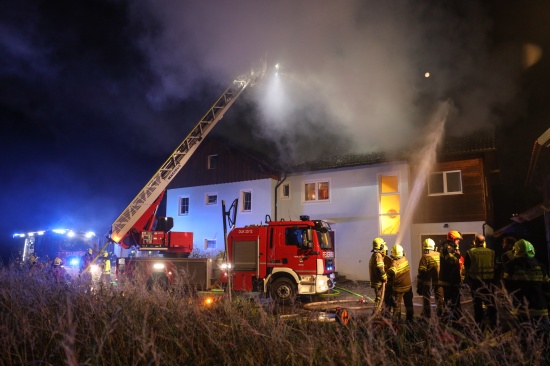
(426, 158)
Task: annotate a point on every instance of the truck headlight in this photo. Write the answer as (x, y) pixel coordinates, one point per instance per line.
(158, 266)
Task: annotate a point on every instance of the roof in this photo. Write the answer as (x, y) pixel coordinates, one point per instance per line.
(451, 147)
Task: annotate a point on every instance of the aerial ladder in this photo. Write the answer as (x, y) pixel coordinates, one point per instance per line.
(138, 225)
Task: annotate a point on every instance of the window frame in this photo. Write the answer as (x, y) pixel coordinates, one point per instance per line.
(283, 196)
(180, 199)
(445, 183)
(208, 241)
(242, 205)
(383, 216)
(207, 199)
(317, 182)
(212, 162)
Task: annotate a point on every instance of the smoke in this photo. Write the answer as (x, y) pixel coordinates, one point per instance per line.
(352, 72)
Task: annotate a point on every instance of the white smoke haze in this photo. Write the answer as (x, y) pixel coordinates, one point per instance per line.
(353, 68)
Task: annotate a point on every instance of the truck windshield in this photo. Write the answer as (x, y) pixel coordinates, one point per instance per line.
(324, 240)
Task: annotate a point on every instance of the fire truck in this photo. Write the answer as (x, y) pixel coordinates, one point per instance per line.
(45, 245)
(282, 259)
(285, 265)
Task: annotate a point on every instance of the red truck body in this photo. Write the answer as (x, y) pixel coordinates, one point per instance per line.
(282, 259)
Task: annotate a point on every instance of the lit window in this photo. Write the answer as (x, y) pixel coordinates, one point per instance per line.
(285, 191)
(184, 206)
(441, 183)
(390, 206)
(212, 161)
(209, 244)
(317, 191)
(211, 199)
(246, 199)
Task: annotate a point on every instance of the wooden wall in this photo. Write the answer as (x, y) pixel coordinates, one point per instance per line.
(233, 165)
(471, 205)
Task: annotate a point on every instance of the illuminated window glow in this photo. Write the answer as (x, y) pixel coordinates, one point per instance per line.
(390, 205)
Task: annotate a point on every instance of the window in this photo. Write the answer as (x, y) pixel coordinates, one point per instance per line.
(246, 199)
(184, 206)
(211, 199)
(285, 191)
(441, 183)
(212, 161)
(317, 191)
(390, 206)
(209, 244)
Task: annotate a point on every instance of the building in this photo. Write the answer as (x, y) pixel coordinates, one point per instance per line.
(362, 196)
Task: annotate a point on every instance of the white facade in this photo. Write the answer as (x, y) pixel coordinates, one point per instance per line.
(352, 210)
(206, 220)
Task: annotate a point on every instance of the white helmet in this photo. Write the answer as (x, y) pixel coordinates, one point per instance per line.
(428, 244)
(397, 251)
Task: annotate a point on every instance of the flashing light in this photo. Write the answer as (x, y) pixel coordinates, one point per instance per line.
(94, 269)
(74, 262)
(30, 234)
(158, 266)
(59, 231)
(208, 301)
(225, 265)
(90, 234)
(71, 234)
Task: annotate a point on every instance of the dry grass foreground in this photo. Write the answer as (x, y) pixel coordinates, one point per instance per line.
(46, 323)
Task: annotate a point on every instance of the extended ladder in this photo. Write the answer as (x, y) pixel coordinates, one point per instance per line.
(180, 156)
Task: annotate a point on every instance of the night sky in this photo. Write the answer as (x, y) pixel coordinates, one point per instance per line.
(95, 95)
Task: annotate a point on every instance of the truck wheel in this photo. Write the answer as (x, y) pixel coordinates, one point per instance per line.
(283, 291)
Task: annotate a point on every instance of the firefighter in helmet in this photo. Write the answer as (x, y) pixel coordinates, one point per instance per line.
(57, 272)
(378, 276)
(428, 275)
(526, 279)
(479, 263)
(450, 276)
(106, 268)
(399, 275)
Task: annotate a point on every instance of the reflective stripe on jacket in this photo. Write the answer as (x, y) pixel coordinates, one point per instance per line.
(480, 263)
(400, 274)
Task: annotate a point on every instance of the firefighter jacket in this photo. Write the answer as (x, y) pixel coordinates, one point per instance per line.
(480, 263)
(527, 281)
(399, 275)
(450, 267)
(376, 270)
(428, 268)
(106, 266)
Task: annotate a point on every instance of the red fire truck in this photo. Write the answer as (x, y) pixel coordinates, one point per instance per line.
(281, 258)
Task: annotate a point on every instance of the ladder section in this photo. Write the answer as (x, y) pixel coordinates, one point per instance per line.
(160, 180)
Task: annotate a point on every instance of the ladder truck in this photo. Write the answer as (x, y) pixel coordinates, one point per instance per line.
(138, 225)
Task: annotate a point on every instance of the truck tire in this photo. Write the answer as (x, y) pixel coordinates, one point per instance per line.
(283, 291)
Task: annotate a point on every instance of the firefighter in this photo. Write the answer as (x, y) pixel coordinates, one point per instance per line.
(86, 261)
(57, 272)
(503, 259)
(526, 280)
(428, 275)
(378, 276)
(479, 263)
(450, 276)
(399, 275)
(105, 268)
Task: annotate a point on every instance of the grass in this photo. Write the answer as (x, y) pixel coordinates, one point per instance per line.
(45, 323)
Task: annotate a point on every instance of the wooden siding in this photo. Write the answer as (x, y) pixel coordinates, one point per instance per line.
(233, 165)
(471, 205)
